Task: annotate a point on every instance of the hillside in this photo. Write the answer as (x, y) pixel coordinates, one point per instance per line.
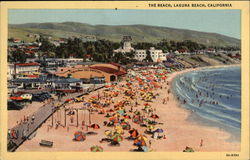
(139, 33)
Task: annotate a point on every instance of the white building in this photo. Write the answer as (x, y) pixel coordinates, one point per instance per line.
(10, 71)
(126, 48)
(140, 54)
(68, 61)
(157, 55)
(22, 68)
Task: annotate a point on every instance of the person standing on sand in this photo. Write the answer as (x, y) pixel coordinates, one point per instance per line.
(201, 143)
(163, 101)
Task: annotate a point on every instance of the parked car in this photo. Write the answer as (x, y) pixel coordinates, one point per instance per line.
(14, 106)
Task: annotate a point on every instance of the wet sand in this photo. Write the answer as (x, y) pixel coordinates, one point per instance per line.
(178, 130)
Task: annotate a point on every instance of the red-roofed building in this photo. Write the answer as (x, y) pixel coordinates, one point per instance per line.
(17, 41)
(24, 68)
(107, 72)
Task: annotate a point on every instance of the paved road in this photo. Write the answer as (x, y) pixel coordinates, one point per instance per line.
(41, 116)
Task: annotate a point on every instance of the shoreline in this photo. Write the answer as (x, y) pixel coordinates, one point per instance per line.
(197, 119)
(179, 131)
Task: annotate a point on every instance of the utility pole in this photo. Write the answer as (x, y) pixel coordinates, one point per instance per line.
(89, 116)
(77, 118)
(52, 119)
(64, 117)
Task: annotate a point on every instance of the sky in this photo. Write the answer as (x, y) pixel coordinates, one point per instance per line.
(226, 22)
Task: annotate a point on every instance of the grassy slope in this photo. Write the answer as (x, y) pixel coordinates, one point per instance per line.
(206, 60)
(139, 33)
(22, 33)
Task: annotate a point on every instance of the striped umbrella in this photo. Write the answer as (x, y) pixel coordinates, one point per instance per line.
(155, 116)
(96, 149)
(139, 142)
(142, 137)
(108, 133)
(133, 133)
(127, 116)
(114, 119)
(79, 136)
(125, 125)
(94, 126)
(117, 137)
(110, 110)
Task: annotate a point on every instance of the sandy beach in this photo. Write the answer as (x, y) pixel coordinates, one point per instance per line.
(178, 130)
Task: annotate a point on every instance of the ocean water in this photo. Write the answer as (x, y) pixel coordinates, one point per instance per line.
(213, 95)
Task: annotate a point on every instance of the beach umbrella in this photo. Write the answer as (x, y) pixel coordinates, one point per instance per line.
(116, 115)
(142, 137)
(119, 129)
(108, 133)
(125, 125)
(79, 136)
(155, 116)
(117, 137)
(127, 116)
(107, 115)
(147, 104)
(121, 112)
(96, 149)
(94, 126)
(139, 142)
(188, 149)
(150, 127)
(159, 130)
(110, 110)
(113, 119)
(133, 133)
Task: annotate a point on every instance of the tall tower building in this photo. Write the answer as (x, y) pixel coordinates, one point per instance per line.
(127, 43)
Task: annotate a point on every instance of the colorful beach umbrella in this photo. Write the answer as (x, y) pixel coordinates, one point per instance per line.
(79, 136)
(139, 142)
(150, 127)
(133, 133)
(159, 130)
(127, 116)
(117, 137)
(155, 116)
(108, 133)
(125, 125)
(94, 126)
(121, 112)
(119, 129)
(96, 149)
(188, 149)
(114, 119)
(142, 137)
(110, 110)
